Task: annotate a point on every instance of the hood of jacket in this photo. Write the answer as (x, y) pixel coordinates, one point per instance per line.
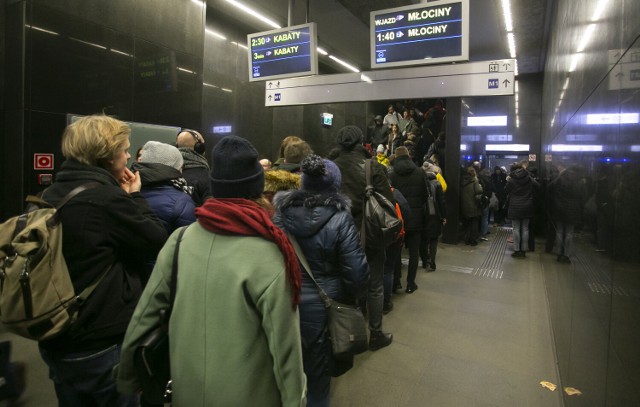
(520, 176)
(305, 213)
(155, 173)
(280, 180)
(403, 165)
(193, 159)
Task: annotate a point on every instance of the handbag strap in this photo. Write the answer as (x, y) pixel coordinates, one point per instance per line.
(368, 190)
(174, 273)
(305, 266)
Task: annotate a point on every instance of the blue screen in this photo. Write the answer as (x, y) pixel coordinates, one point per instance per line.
(281, 53)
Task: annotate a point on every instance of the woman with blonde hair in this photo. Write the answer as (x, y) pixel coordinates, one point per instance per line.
(109, 234)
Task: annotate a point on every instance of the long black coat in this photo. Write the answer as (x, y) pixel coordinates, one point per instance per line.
(520, 189)
(103, 227)
(329, 239)
(412, 183)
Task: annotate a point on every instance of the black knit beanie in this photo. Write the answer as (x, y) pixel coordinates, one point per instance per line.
(349, 136)
(236, 171)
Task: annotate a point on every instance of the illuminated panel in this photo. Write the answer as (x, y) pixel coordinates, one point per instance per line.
(507, 147)
(575, 147)
(475, 121)
(283, 53)
(613, 118)
(420, 34)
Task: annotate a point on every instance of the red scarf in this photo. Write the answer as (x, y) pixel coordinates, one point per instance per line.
(237, 216)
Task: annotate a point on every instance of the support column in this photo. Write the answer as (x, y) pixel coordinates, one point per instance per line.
(451, 170)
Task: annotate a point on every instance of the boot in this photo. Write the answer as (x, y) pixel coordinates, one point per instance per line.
(379, 339)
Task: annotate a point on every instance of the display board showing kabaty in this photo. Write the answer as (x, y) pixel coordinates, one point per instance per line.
(283, 53)
(425, 33)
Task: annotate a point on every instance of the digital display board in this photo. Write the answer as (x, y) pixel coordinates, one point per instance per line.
(425, 33)
(283, 53)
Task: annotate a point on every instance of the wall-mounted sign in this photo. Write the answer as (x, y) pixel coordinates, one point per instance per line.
(283, 53)
(42, 161)
(327, 119)
(425, 33)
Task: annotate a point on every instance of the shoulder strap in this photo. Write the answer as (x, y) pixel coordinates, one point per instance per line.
(367, 172)
(305, 266)
(174, 271)
(75, 191)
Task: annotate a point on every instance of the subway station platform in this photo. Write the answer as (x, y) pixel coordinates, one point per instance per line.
(477, 332)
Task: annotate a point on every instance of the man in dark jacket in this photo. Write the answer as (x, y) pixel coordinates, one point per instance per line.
(568, 196)
(351, 162)
(377, 134)
(520, 188)
(196, 167)
(411, 181)
(484, 177)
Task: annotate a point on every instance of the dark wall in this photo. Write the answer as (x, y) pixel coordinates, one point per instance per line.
(125, 58)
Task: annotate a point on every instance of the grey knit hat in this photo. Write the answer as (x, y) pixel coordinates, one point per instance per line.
(161, 153)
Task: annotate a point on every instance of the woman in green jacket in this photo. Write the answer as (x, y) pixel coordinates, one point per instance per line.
(234, 329)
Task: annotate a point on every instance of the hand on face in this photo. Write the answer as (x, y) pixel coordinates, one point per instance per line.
(130, 182)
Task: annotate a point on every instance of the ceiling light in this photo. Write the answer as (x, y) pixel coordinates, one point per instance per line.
(323, 52)
(226, 90)
(209, 85)
(215, 34)
(599, 10)
(346, 65)
(506, 12)
(88, 43)
(185, 70)
(240, 45)
(121, 53)
(586, 37)
(574, 62)
(566, 84)
(33, 27)
(365, 78)
(512, 44)
(254, 13)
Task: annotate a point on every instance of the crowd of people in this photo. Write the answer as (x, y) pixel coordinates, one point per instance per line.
(247, 326)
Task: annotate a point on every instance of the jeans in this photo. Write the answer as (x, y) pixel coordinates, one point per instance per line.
(564, 238)
(520, 234)
(84, 379)
(484, 222)
(375, 292)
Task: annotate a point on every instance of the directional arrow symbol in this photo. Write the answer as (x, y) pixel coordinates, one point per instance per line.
(506, 66)
(268, 53)
(278, 84)
(269, 98)
(620, 75)
(270, 84)
(400, 17)
(506, 82)
(268, 39)
(399, 34)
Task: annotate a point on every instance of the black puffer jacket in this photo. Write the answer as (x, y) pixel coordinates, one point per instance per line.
(103, 227)
(520, 189)
(412, 183)
(196, 172)
(330, 241)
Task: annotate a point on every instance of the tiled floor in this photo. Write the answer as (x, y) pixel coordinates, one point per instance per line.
(475, 333)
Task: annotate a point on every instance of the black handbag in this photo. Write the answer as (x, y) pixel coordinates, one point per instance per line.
(151, 357)
(380, 222)
(346, 323)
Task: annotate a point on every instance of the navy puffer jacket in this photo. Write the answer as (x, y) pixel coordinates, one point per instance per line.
(330, 241)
